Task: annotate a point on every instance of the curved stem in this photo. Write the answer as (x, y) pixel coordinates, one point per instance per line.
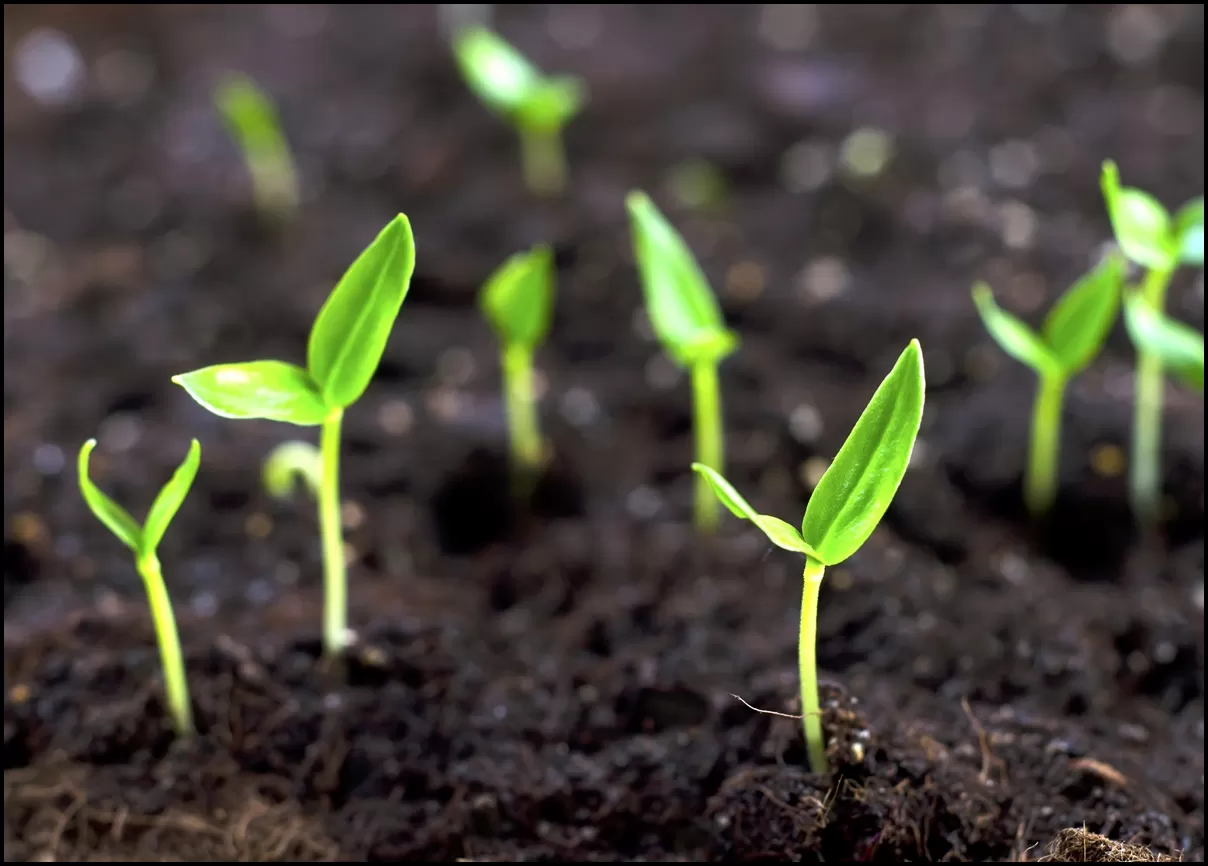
(523, 430)
(1145, 473)
(710, 443)
(815, 742)
(544, 161)
(1044, 449)
(176, 684)
(335, 581)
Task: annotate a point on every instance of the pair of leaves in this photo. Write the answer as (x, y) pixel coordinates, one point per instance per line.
(1074, 330)
(518, 298)
(145, 539)
(1144, 229)
(512, 86)
(682, 308)
(856, 490)
(346, 344)
(1180, 347)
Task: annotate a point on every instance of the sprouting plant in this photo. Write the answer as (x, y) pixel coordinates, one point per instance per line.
(1072, 335)
(252, 121)
(144, 541)
(688, 323)
(844, 509)
(537, 105)
(345, 346)
(1180, 348)
(518, 301)
(1150, 237)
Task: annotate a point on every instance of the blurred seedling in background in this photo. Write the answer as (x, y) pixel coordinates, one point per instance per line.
(252, 121)
(537, 105)
(844, 509)
(1150, 237)
(1180, 347)
(518, 301)
(144, 541)
(345, 346)
(698, 185)
(1072, 335)
(688, 323)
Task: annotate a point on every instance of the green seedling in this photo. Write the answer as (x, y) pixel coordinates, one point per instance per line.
(1180, 348)
(252, 121)
(689, 325)
(537, 105)
(346, 344)
(844, 509)
(1070, 338)
(144, 542)
(518, 301)
(1153, 239)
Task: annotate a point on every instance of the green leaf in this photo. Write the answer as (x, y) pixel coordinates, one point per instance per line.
(115, 518)
(856, 490)
(518, 299)
(1189, 232)
(1013, 336)
(551, 103)
(778, 532)
(168, 502)
(1140, 223)
(1180, 347)
(273, 390)
(250, 116)
(499, 74)
(289, 463)
(1079, 322)
(682, 309)
(350, 333)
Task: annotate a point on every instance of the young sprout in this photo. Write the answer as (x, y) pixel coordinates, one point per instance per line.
(1072, 334)
(144, 541)
(346, 343)
(538, 106)
(844, 509)
(686, 318)
(252, 121)
(1150, 237)
(518, 301)
(1180, 348)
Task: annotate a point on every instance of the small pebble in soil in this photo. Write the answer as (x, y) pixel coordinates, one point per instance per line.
(806, 166)
(1108, 460)
(1014, 164)
(662, 374)
(258, 525)
(1018, 225)
(120, 432)
(823, 280)
(49, 459)
(395, 417)
(203, 604)
(1135, 34)
(123, 77)
(811, 471)
(805, 423)
(260, 591)
(579, 407)
(455, 366)
(866, 152)
(352, 515)
(788, 26)
(745, 281)
(49, 66)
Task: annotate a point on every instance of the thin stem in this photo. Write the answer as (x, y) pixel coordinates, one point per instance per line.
(524, 435)
(815, 742)
(335, 580)
(544, 161)
(710, 444)
(176, 684)
(1145, 474)
(1040, 485)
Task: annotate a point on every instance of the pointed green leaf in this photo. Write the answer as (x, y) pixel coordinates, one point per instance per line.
(1180, 347)
(1140, 223)
(681, 305)
(350, 333)
(1189, 232)
(250, 116)
(290, 462)
(518, 299)
(115, 518)
(273, 390)
(856, 490)
(168, 502)
(1013, 336)
(497, 73)
(1079, 322)
(778, 532)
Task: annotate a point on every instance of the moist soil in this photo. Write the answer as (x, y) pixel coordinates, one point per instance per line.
(561, 679)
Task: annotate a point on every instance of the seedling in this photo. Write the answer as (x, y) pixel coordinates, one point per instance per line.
(537, 105)
(518, 301)
(688, 323)
(1180, 348)
(1152, 238)
(844, 509)
(346, 344)
(252, 121)
(1070, 338)
(144, 541)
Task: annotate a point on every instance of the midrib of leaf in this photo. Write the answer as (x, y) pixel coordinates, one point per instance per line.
(356, 334)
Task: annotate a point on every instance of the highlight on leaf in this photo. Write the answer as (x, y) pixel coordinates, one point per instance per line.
(269, 390)
(1140, 222)
(1180, 346)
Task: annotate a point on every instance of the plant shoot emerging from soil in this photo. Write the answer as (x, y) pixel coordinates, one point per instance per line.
(537, 105)
(688, 322)
(1072, 335)
(844, 509)
(1180, 348)
(252, 121)
(346, 344)
(144, 541)
(518, 301)
(1158, 242)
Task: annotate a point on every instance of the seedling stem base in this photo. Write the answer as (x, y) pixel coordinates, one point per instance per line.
(815, 742)
(1040, 486)
(710, 449)
(544, 162)
(1145, 475)
(175, 684)
(335, 581)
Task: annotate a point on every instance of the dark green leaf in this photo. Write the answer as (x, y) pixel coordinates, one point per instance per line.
(856, 490)
(1013, 336)
(518, 299)
(778, 532)
(350, 333)
(1180, 347)
(1189, 232)
(115, 518)
(1079, 322)
(168, 502)
(290, 462)
(1140, 223)
(273, 390)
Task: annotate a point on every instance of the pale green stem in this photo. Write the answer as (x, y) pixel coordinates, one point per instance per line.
(524, 435)
(1040, 485)
(815, 742)
(1145, 473)
(710, 444)
(544, 161)
(335, 580)
(176, 684)
(274, 185)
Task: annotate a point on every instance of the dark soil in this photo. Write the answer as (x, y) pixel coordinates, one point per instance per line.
(558, 683)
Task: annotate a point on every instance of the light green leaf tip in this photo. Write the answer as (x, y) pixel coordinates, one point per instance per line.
(1139, 221)
(518, 298)
(116, 519)
(169, 500)
(779, 532)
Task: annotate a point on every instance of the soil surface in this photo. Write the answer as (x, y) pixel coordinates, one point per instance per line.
(559, 682)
